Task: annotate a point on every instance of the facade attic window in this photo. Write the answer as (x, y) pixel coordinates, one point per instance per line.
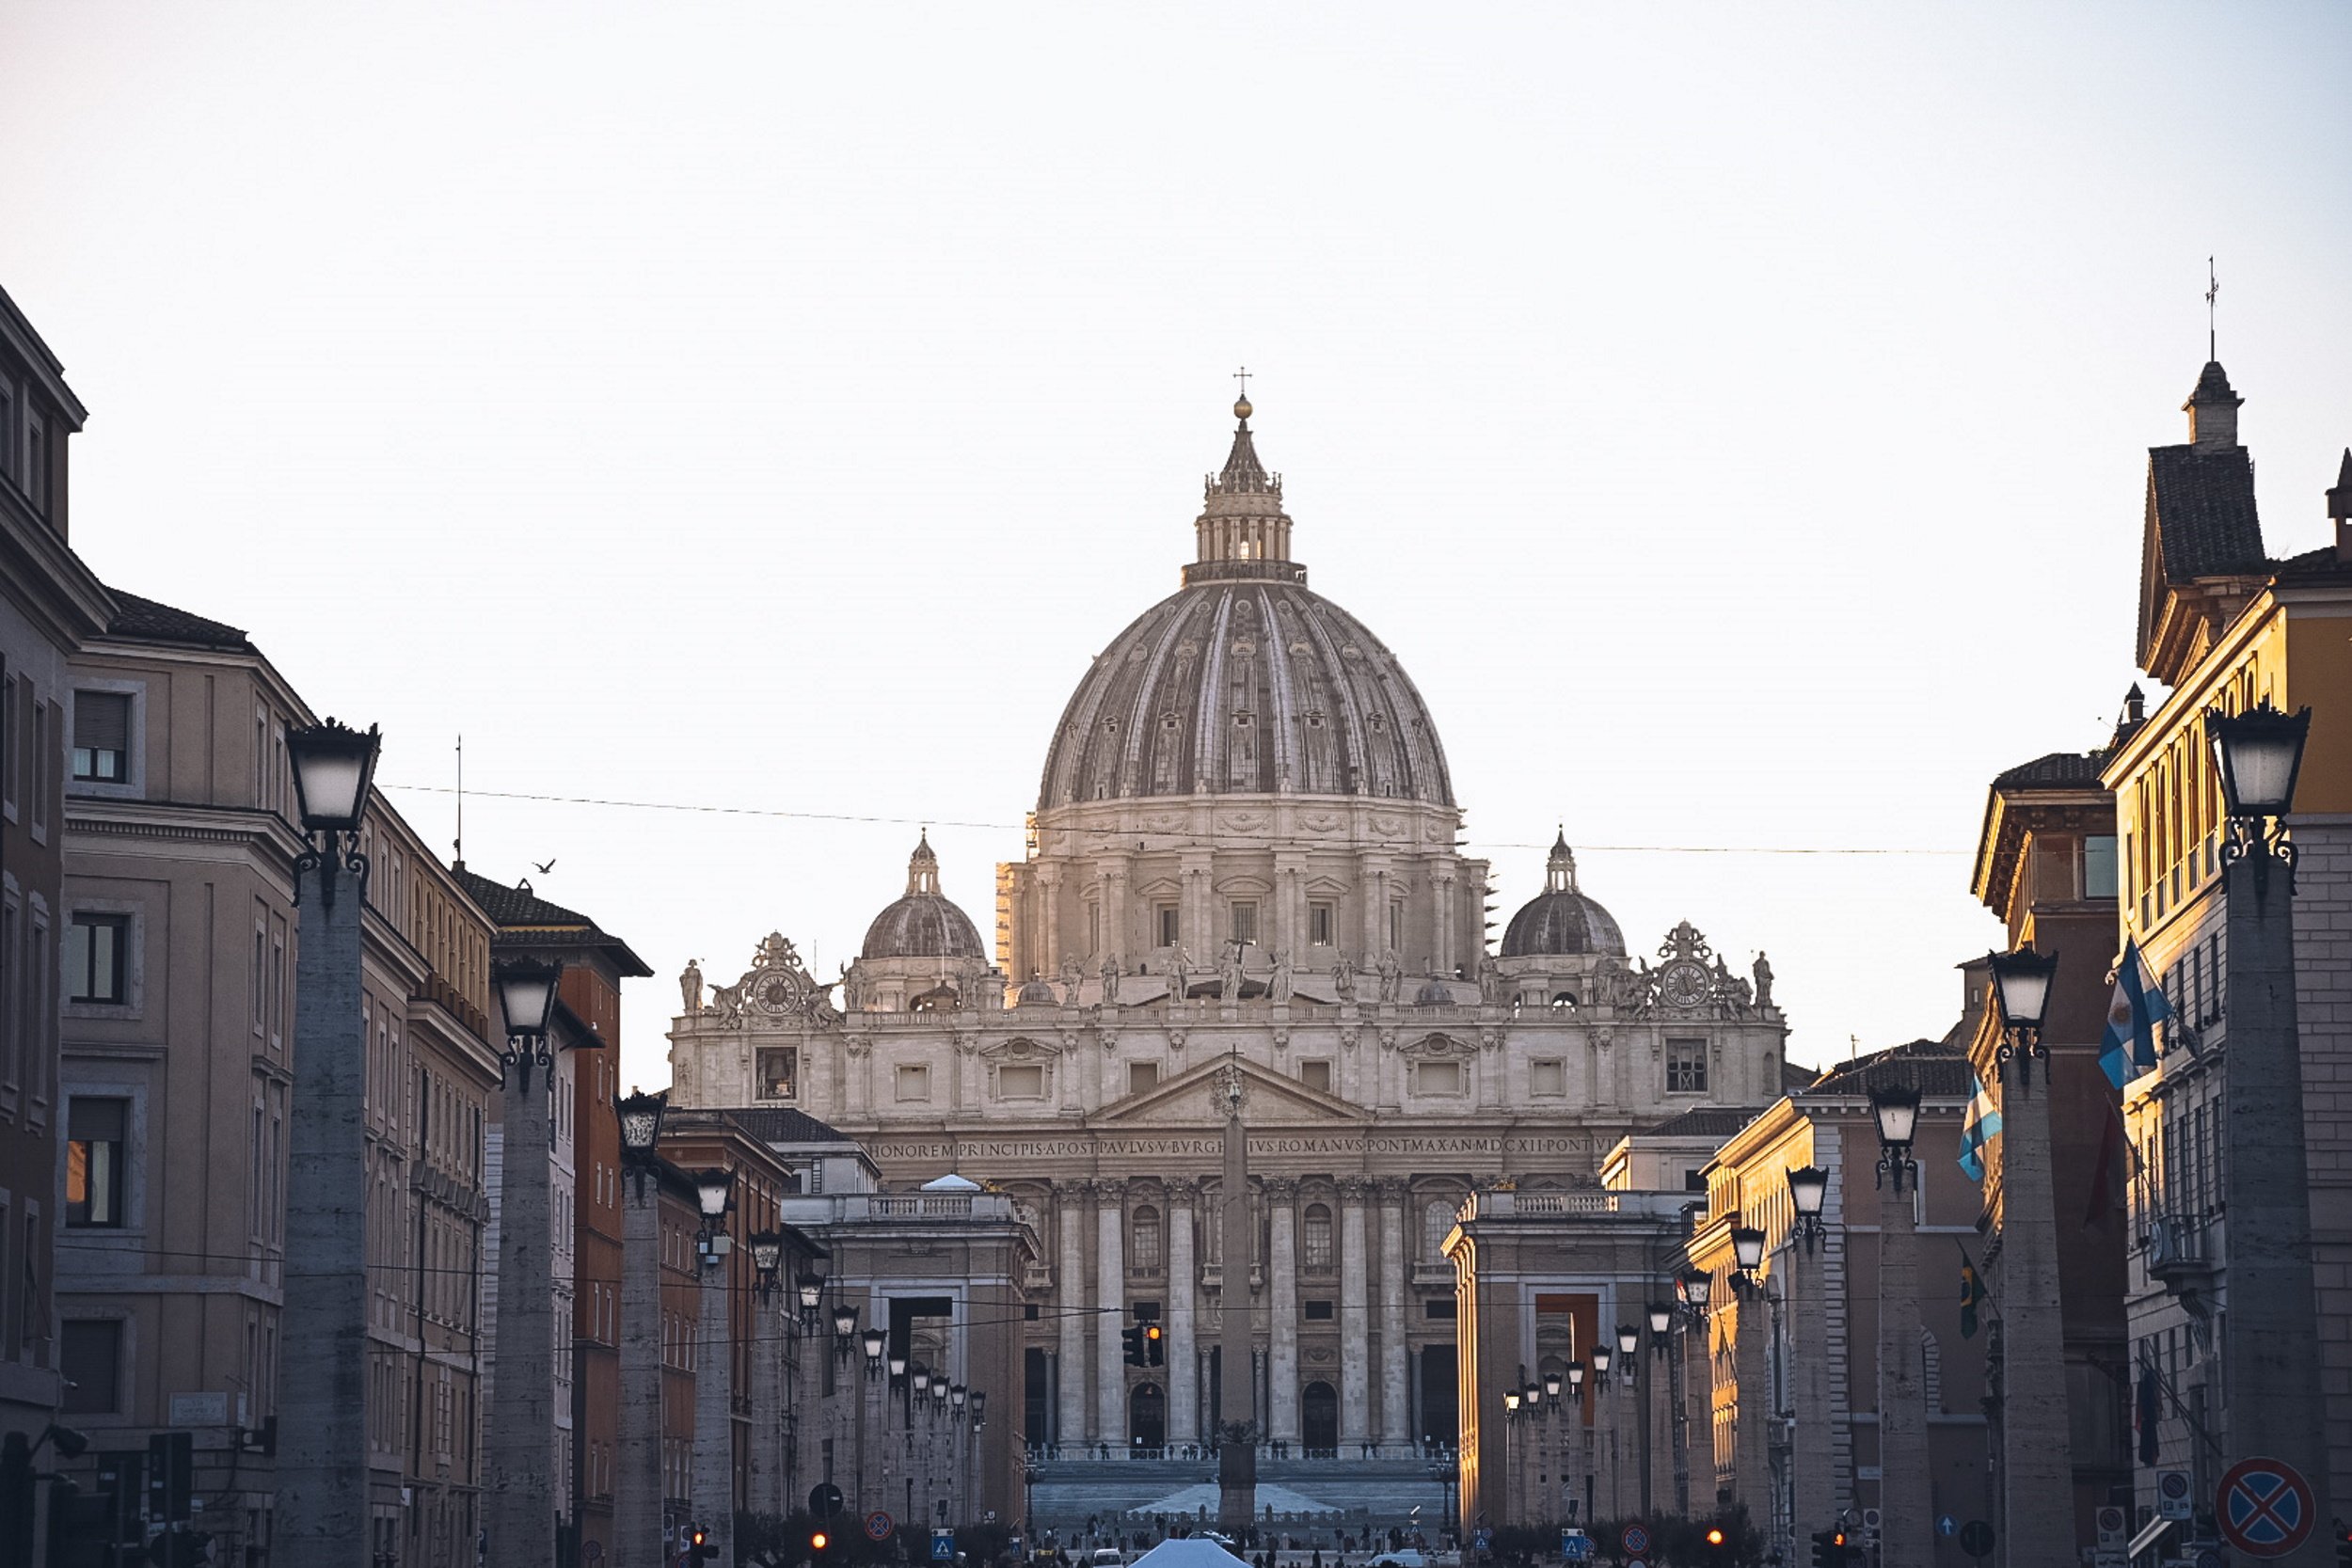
(101, 736)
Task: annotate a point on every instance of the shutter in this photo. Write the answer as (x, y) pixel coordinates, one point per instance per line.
(101, 721)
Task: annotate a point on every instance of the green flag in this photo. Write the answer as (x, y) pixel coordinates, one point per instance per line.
(1971, 1296)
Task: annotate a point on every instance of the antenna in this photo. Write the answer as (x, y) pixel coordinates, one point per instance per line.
(460, 844)
(2213, 291)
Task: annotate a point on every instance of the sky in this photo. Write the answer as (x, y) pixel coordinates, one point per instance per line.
(1733, 418)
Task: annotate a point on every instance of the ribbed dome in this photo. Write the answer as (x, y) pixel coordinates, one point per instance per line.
(1246, 687)
(1561, 920)
(924, 923)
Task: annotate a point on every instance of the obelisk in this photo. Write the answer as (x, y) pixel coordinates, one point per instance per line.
(1236, 1426)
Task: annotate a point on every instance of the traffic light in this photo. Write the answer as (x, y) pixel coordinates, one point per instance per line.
(1153, 1346)
(1718, 1544)
(170, 1477)
(1132, 1339)
(700, 1548)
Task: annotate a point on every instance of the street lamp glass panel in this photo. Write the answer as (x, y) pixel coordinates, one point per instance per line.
(333, 767)
(939, 1392)
(922, 1378)
(1747, 1246)
(2260, 752)
(711, 1190)
(641, 1122)
(845, 1320)
(1532, 1396)
(897, 1366)
(1897, 1107)
(1808, 1189)
(979, 1403)
(1661, 1318)
(874, 1338)
(956, 1393)
(1600, 1360)
(1629, 1338)
(1511, 1401)
(2020, 985)
(1552, 1384)
(812, 1292)
(1575, 1374)
(526, 989)
(1698, 1286)
(767, 1251)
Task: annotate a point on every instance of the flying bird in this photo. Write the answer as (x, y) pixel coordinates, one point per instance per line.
(544, 869)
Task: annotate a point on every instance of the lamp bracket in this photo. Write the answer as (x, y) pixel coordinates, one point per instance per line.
(2260, 840)
(331, 854)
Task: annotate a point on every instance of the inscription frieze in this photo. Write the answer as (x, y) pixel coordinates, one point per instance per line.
(888, 1149)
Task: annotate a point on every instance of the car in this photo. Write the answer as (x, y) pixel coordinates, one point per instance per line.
(1109, 1557)
(1407, 1558)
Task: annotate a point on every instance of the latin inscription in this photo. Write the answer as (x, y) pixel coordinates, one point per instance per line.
(889, 1150)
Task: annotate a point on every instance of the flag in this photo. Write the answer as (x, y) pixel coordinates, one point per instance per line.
(2111, 1176)
(2132, 1015)
(1971, 1297)
(1976, 1133)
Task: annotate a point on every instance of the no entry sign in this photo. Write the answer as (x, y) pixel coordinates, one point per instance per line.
(2265, 1507)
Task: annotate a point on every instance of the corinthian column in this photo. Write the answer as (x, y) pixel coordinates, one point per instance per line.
(1355, 1320)
(1281, 1282)
(1110, 1316)
(1183, 1280)
(1396, 1407)
(1070, 1279)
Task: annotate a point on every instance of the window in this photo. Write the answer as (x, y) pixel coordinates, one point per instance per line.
(90, 1356)
(1319, 1312)
(94, 1164)
(101, 736)
(1163, 921)
(1694, 1179)
(1437, 1078)
(1318, 1236)
(1439, 1310)
(1143, 1240)
(1396, 925)
(2099, 880)
(1321, 920)
(1245, 920)
(1315, 1075)
(94, 967)
(1547, 1078)
(36, 486)
(1142, 1077)
(779, 1073)
(1020, 1082)
(915, 1083)
(1686, 1067)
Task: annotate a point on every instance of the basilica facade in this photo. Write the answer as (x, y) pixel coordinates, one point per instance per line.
(1244, 853)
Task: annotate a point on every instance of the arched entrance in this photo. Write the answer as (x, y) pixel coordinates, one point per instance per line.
(1147, 1421)
(1319, 1420)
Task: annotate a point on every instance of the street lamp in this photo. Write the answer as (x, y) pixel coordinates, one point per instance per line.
(334, 767)
(957, 1393)
(1897, 1108)
(922, 1378)
(1510, 1402)
(714, 1193)
(1661, 1322)
(875, 1338)
(812, 1292)
(1629, 1342)
(1697, 1287)
(1552, 1384)
(1600, 1367)
(1747, 1250)
(1575, 1381)
(766, 1253)
(1808, 1189)
(844, 1331)
(2021, 996)
(2260, 752)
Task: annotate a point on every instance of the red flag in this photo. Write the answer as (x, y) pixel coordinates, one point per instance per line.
(2110, 1176)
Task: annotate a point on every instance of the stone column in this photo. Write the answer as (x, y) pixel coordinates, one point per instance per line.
(1071, 1424)
(1751, 1460)
(2036, 1468)
(1395, 1400)
(636, 1478)
(1047, 957)
(1905, 1537)
(1281, 1281)
(1183, 1280)
(1442, 904)
(518, 1458)
(1355, 1322)
(765, 1462)
(1110, 1315)
(1810, 1304)
(714, 1413)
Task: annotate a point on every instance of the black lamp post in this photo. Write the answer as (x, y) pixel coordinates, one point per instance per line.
(1662, 1320)
(714, 1195)
(1599, 1354)
(2021, 997)
(526, 992)
(1747, 1251)
(1576, 1382)
(1628, 1344)
(2261, 752)
(1551, 1386)
(766, 1256)
(640, 1115)
(1895, 1106)
(1808, 1190)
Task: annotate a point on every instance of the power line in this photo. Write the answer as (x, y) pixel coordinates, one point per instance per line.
(778, 811)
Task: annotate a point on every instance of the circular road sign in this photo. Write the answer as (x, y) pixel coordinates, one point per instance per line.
(1976, 1538)
(1636, 1539)
(824, 1500)
(878, 1525)
(2265, 1507)
(2173, 1485)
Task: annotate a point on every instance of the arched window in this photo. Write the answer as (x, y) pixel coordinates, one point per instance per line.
(1318, 1238)
(1436, 1221)
(1143, 1240)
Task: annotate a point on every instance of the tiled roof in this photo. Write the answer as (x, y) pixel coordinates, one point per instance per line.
(150, 622)
(2319, 565)
(2203, 502)
(518, 908)
(1794, 1078)
(782, 1124)
(2057, 770)
(1937, 1069)
(1705, 1121)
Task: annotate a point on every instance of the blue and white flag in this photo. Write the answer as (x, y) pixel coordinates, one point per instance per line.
(1976, 1133)
(2138, 1007)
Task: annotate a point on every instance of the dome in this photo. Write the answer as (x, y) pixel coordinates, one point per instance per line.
(1243, 682)
(1038, 994)
(1561, 920)
(924, 923)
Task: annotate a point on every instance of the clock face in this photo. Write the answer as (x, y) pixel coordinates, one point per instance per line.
(1684, 984)
(776, 995)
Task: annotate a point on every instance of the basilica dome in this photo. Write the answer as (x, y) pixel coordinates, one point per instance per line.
(924, 923)
(1243, 682)
(1561, 920)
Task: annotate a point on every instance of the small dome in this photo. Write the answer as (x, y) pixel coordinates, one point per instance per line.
(1561, 920)
(1037, 992)
(923, 923)
(1433, 993)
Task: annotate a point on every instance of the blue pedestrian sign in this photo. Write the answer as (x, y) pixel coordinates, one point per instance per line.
(1947, 1526)
(943, 1545)
(1484, 1539)
(1575, 1545)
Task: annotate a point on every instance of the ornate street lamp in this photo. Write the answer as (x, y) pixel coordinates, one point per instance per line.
(979, 1407)
(1808, 1189)
(921, 1379)
(640, 1115)
(875, 1338)
(2260, 752)
(1628, 1343)
(957, 1393)
(1532, 1398)
(812, 1292)
(1575, 1381)
(1662, 1322)
(1600, 1367)
(1897, 1108)
(1697, 1287)
(1510, 1402)
(766, 1254)
(844, 1331)
(714, 1193)
(1551, 1382)
(334, 768)
(1747, 1251)
(2021, 997)
(526, 992)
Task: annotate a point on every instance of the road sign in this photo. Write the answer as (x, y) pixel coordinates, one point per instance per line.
(878, 1525)
(2110, 1556)
(824, 1500)
(2208, 1558)
(2172, 1498)
(1636, 1539)
(2110, 1523)
(1976, 1538)
(943, 1545)
(1484, 1539)
(1947, 1526)
(2265, 1507)
(1575, 1545)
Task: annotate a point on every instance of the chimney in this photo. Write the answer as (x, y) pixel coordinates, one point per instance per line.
(2212, 410)
(2339, 508)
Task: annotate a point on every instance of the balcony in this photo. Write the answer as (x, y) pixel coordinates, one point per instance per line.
(2179, 1256)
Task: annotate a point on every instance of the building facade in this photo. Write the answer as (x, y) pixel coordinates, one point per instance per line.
(1244, 851)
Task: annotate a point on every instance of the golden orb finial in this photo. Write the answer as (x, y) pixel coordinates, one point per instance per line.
(1241, 409)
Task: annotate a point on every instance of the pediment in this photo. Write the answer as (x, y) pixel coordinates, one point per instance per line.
(1193, 1098)
(1021, 1048)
